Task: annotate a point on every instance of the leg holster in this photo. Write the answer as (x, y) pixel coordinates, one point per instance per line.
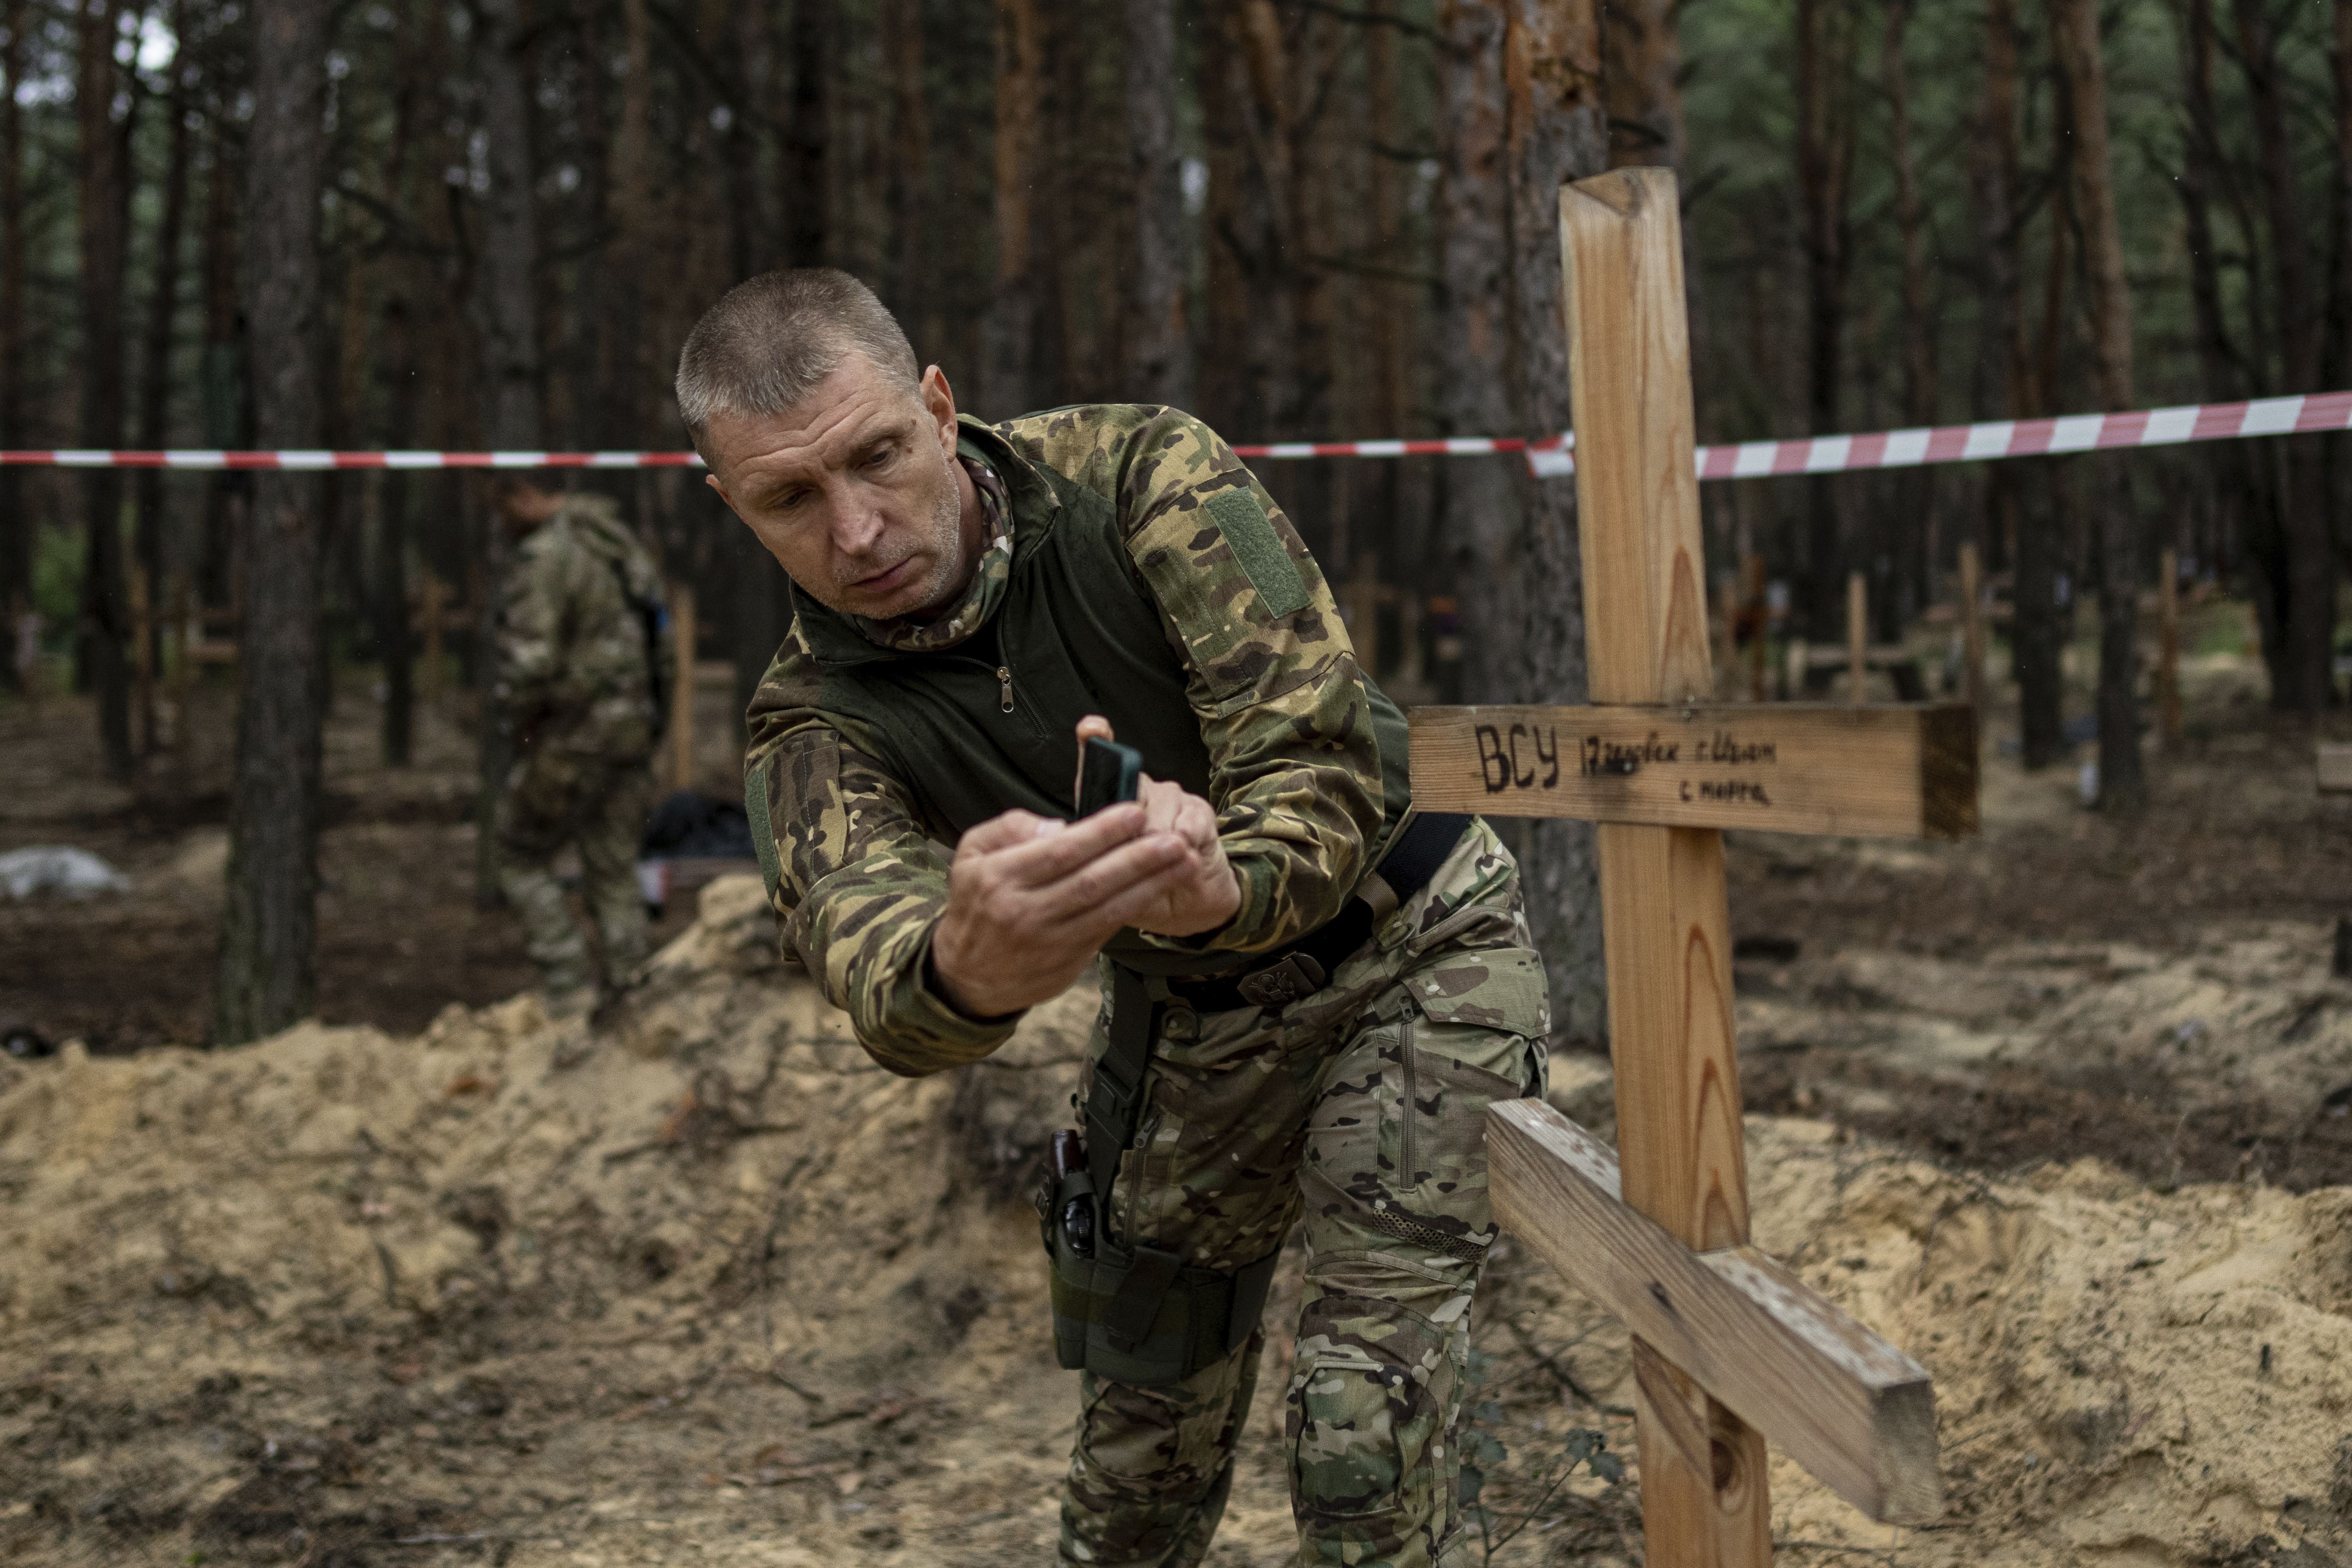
(1135, 1314)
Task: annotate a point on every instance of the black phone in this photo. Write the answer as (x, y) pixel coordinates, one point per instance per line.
(1107, 774)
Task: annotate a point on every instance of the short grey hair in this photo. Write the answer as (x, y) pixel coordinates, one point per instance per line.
(772, 338)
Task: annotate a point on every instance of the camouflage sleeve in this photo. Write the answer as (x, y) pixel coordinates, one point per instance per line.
(1295, 770)
(857, 883)
(530, 633)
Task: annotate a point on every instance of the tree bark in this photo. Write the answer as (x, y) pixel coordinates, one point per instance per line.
(1910, 533)
(2075, 36)
(912, 295)
(16, 526)
(1011, 332)
(808, 183)
(103, 223)
(2310, 620)
(1642, 75)
(2240, 493)
(510, 269)
(1824, 180)
(1481, 498)
(156, 365)
(1557, 130)
(265, 979)
(1159, 360)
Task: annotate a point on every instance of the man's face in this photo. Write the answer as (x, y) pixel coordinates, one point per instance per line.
(526, 505)
(855, 490)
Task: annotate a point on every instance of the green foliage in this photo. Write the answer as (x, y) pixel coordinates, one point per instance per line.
(1483, 1455)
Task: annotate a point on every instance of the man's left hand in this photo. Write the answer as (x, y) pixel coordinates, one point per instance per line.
(1210, 897)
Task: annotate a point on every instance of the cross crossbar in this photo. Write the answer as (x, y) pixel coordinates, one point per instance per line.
(1783, 768)
(1727, 1345)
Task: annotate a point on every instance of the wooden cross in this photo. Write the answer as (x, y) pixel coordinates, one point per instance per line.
(1729, 1346)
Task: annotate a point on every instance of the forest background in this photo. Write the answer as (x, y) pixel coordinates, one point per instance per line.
(394, 224)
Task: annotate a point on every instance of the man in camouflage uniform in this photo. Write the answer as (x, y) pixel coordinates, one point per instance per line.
(969, 598)
(578, 682)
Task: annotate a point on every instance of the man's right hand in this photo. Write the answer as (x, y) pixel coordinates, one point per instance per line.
(1032, 900)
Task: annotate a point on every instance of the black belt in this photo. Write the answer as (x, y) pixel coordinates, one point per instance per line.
(1301, 968)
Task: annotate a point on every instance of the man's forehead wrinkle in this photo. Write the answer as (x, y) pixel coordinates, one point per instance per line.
(809, 453)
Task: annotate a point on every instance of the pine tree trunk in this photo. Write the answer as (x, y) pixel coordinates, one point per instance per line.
(1824, 182)
(103, 221)
(1481, 498)
(1556, 131)
(226, 396)
(15, 526)
(2074, 36)
(911, 175)
(2040, 628)
(808, 177)
(2311, 564)
(265, 979)
(509, 268)
(2239, 494)
(156, 365)
(1159, 359)
(1642, 75)
(1912, 534)
(1011, 329)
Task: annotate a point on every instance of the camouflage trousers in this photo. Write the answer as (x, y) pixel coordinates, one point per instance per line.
(555, 797)
(1361, 1110)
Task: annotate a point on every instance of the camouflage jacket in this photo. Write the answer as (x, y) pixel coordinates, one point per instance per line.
(859, 871)
(572, 670)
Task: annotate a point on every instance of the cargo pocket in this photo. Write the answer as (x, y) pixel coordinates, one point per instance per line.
(1474, 1037)
(1367, 1403)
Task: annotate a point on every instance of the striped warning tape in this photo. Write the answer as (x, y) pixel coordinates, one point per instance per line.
(1547, 456)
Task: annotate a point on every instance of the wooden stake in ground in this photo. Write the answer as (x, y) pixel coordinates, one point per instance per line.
(1857, 639)
(143, 658)
(1728, 1347)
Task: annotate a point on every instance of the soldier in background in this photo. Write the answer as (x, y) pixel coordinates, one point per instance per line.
(584, 674)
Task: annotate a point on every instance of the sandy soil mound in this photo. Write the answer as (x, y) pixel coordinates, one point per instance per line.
(710, 1287)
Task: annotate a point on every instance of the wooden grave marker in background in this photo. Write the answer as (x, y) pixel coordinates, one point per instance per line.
(1729, 1346)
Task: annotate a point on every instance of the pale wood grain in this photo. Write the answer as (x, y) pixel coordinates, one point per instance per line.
(1849, 1407)
(1784, 768)
(1664, 926)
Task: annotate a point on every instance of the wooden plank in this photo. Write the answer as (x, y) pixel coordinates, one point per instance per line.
(1852, 1408)
(1857, 639)
(1664, 925)
(2335, 766)
(1789, 768)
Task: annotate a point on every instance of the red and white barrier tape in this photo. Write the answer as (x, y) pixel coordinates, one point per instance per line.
(314, 460)
(1549, 456)
(2294, 415)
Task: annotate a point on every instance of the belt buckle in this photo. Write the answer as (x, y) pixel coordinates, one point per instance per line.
(1279, 985)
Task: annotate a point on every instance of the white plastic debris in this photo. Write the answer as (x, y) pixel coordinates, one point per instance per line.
(56, 867)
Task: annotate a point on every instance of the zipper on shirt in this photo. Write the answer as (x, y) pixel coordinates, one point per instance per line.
(1005, 685)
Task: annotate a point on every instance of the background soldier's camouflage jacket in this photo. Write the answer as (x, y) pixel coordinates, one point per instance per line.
(1283, 710)
(571, 647)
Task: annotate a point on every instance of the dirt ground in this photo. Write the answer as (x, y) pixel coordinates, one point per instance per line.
(399, 934)
(437, 1281)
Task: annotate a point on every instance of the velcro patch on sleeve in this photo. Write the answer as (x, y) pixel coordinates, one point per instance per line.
(1249, 532)
(763, 835)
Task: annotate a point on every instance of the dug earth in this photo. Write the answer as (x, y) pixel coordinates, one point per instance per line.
(720, 1291)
